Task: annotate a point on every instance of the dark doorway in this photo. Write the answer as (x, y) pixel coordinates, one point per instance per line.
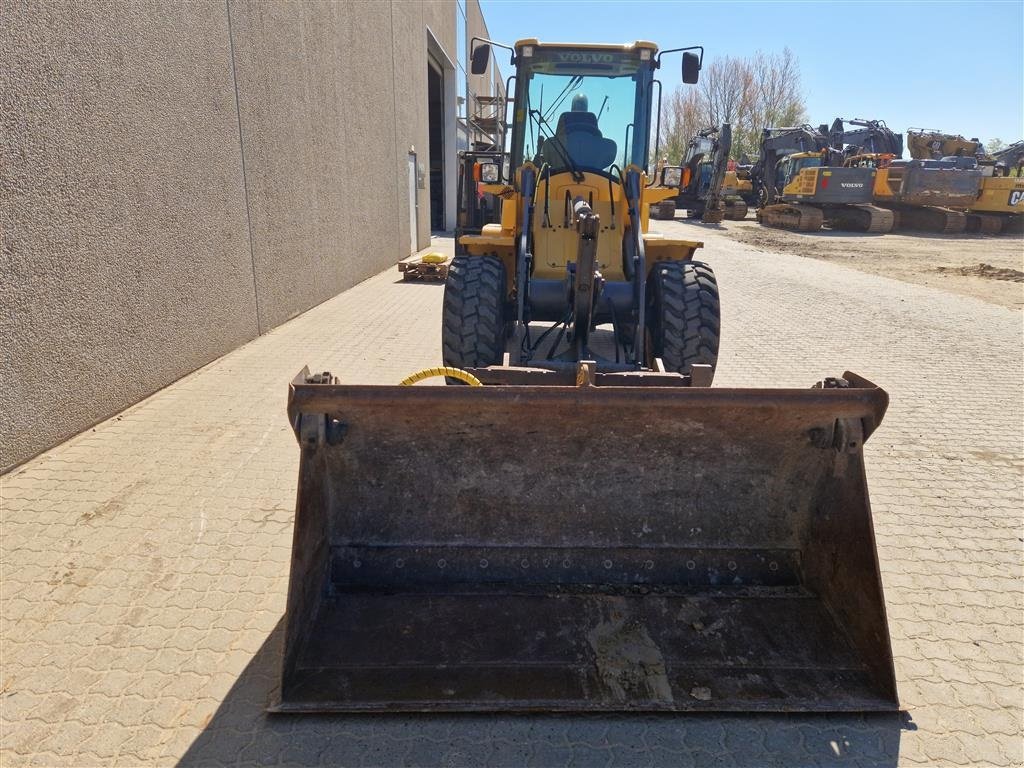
(435, 121)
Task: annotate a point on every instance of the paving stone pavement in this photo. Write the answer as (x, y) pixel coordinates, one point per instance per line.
(144, 563)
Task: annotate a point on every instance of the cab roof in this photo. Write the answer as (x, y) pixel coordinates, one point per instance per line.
(635, 45)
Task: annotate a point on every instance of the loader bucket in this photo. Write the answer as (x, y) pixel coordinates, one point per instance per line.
(546, 548)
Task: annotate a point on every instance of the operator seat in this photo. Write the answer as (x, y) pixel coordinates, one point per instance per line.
(578, 136)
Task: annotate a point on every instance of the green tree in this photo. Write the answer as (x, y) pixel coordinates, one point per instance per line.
(749, 93)
(994, 145)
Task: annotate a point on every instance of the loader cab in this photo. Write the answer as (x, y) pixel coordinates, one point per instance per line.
(582, 108)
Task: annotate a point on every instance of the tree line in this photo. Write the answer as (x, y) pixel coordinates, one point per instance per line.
(749, 93)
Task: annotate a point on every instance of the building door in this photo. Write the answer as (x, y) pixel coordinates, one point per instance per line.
(435, 124)
(413, 213)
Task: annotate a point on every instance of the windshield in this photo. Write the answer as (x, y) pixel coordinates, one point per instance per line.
(701, 145)
(577, 116)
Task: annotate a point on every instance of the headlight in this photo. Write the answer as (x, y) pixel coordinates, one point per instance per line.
(671, 176)
(489, 173)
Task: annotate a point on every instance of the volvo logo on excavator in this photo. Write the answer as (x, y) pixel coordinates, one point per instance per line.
(586, 58)
(851, 184)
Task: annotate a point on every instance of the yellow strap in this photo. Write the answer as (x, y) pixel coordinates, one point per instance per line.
(429, 373)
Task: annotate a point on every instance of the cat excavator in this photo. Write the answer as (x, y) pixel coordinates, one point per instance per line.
(579, 522)
(998, 203)
(933, 144)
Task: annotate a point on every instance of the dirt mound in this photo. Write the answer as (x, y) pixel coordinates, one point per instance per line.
(985, 270)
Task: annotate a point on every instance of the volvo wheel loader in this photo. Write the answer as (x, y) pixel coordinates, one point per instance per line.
(803, 185)
(588, 525)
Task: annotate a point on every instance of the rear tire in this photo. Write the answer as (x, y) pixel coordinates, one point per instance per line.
(473, 325)
(683, 315)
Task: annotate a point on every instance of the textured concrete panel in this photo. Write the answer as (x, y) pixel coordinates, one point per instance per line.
(125, 256)
(438, 16)
(409, 50)
(319, 87)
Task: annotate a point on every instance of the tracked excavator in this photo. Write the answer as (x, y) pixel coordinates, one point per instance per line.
(579, 522)
(865, 137)
(998, 205)
(922, 194)
(737, 191)
(700, 180)
(933, 144)
(802, 184)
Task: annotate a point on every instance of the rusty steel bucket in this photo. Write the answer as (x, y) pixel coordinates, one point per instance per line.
(560, 548)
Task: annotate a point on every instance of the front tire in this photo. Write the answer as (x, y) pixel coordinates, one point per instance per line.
(663, 211)
(473, 326)
(684, 315)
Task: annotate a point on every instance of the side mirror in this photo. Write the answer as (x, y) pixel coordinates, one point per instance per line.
(481, 53)
(691, 67)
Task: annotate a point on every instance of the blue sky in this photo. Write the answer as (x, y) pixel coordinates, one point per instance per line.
(954, 66)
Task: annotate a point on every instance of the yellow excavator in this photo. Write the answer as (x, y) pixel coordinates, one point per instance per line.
(802, 185)
(922, 194)
(998, 205)
(933, 144)
(580, 522)
(738, 193)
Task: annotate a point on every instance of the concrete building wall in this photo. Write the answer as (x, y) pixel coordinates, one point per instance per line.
(177, 178)
(125, 258)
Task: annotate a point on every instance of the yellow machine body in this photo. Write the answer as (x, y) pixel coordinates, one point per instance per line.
(1000, 194)
(734, 185)
(555, 238)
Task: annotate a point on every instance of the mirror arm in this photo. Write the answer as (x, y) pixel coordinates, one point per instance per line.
(657, 59)
(473, 42)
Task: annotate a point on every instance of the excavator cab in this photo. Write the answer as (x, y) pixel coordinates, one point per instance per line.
(790, 166)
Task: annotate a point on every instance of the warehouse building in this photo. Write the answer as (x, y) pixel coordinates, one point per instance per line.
(178, 178)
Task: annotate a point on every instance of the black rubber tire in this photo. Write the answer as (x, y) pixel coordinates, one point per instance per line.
(683, 315)
(664, 211)
(473, 323)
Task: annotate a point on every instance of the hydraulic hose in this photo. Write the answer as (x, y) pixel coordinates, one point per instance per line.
(429, 373)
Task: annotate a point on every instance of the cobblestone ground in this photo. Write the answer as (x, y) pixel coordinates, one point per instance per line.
(144, 563)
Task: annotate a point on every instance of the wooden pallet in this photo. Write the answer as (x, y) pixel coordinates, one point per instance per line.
(418, 270)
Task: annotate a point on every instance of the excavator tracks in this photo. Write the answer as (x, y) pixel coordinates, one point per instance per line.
(985, 224)
(713, 216)
(932, 219)
(799, 218)
(862, 218)
(735, 210)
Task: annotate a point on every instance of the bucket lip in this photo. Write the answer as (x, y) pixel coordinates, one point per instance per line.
(284, 707)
